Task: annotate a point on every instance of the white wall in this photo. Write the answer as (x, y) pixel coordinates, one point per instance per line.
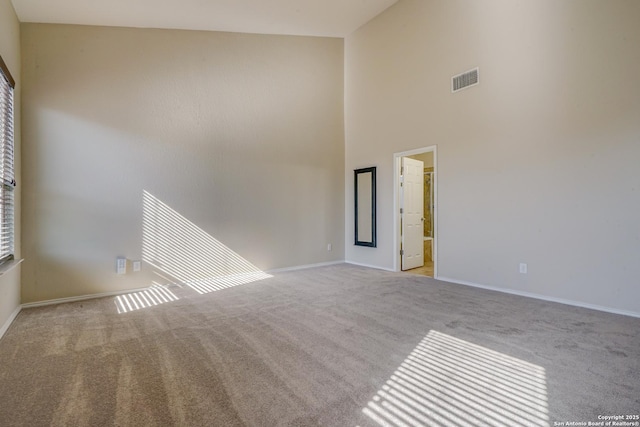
(10, 51)
(537, 164)
(242, 135)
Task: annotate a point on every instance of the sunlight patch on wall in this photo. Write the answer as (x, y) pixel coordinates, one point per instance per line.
(446, 381)
(178, 247)
(155, 295)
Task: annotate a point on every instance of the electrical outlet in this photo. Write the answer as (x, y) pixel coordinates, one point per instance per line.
(137, 265)
(523, 268)
(329, 247)
(121, 265)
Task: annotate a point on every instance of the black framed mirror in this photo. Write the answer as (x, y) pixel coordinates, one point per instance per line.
(365, 206)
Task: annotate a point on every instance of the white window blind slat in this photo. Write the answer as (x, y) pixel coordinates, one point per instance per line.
(7, 177)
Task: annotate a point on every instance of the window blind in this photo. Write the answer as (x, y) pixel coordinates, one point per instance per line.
(7, 177)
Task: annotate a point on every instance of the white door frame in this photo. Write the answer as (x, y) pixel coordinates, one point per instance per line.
(396, 205)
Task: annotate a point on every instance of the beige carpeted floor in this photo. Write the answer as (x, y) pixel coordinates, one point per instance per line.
(333, 346)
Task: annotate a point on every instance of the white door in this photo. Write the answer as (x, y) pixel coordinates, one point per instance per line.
(412, 216)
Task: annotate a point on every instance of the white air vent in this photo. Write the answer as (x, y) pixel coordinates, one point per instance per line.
(465, 80)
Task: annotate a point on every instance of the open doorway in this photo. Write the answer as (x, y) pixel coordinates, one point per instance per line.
(415, 213)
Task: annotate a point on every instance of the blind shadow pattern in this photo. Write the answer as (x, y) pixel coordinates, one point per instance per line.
(155, 295)
(173, 244)
(446, 381)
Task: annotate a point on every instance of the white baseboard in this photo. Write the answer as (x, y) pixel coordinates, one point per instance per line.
(80, 298)
(9, 321)
(303, 267)
(377, 267)
(543, 297)
(127, 291)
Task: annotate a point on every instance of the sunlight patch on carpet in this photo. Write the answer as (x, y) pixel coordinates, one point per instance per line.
(218, 283)
(155, 295)
(446, 381)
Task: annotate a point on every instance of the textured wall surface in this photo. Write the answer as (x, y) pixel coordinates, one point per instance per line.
(537, 164)
(239, 136)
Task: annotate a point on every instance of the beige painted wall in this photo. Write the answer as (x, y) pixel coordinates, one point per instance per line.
(10, 51)
(537, 164)
(240, 135)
